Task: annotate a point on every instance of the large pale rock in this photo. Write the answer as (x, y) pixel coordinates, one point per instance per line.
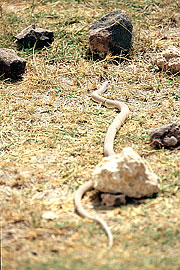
(169, 59)
(111, 34)
(125, 173)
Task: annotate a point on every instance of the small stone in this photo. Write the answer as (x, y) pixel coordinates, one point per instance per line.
(111, 34)
(169, 59)
(32, 36)
(165, 136)
(49, 215)
(11, 65)
(125, 173)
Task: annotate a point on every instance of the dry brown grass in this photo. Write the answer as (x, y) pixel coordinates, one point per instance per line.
(52, 136)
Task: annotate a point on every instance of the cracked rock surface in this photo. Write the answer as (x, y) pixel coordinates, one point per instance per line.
(125, 173)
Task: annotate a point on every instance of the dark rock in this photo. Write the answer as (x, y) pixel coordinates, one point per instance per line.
(165, 136)
(32, 36)
(111, 34)
(11, 65)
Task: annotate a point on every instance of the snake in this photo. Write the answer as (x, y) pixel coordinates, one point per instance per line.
(108, 151)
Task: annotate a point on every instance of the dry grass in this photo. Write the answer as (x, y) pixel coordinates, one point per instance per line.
(52, 135)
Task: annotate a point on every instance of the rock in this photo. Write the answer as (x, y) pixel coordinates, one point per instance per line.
(32, 36)
(11, 65)
(125, 173)
(169, 59)
(111, 34)
(165, 136)
(49, 215)
(112, 199)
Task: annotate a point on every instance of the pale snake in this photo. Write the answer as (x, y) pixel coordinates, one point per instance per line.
(108, 151)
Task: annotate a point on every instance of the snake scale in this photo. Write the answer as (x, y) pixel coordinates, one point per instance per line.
(108, 151)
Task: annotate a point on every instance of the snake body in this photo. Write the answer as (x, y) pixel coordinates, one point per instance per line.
(108, 151)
